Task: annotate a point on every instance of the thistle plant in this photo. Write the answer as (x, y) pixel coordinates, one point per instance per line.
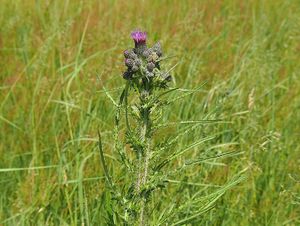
(143, 160)
(145, 77)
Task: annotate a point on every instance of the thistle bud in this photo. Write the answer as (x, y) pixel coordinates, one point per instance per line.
(129, 63)
(147, 53)
(127, 75)
(127, 53)
(157, 49)
(152, 58)
(150, 66)
(133, 55)
(135, 68)
(130, 54)
(138, 62)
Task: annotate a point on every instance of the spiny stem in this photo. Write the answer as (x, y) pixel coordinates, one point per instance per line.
(139, 176)
(144, 162)
(145, 174)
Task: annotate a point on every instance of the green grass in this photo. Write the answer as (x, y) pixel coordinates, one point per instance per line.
(52, 102)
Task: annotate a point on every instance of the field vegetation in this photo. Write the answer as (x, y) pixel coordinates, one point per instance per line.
(237, 64)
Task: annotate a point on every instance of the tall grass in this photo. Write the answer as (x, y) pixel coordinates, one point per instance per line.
(60, 68)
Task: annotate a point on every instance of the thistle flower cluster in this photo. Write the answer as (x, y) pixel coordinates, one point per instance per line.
(144, 62)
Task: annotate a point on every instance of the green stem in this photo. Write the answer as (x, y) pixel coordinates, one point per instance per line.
(143, 161)
(144, 180)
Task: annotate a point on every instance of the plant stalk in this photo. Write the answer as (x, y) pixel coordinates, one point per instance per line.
(144, 161)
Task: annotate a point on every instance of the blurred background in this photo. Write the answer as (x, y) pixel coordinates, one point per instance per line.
(59, 59)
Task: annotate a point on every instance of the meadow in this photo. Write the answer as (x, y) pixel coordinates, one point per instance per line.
(61, 65)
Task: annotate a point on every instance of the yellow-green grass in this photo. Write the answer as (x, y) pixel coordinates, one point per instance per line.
(61, 62)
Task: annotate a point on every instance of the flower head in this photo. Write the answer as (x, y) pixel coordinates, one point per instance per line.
(143, 62)
(139, 36)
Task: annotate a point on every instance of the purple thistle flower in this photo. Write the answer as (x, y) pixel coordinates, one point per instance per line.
(139, 37)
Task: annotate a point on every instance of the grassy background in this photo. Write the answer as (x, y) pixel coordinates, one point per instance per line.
(51, 102)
